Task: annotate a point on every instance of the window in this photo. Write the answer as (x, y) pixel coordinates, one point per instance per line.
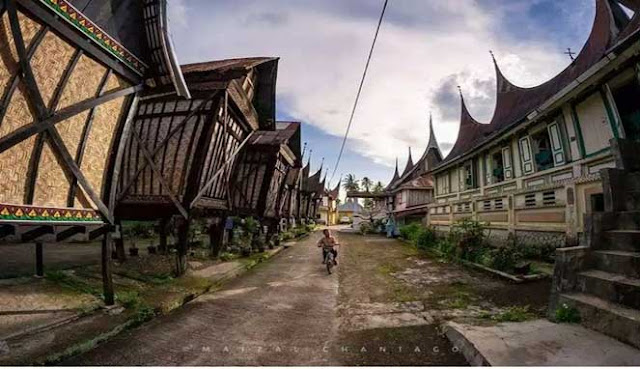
(498, 203)
(468, 175)
(506, 163)
(542, 150)
(530, 200)
(549, 198)
(625, 96)
(525, 155)
(497, 167)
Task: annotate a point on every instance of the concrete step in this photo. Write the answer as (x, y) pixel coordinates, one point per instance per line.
(614, 320)
(610, 286)
(621, 240)
(627, 220)
(622, 262)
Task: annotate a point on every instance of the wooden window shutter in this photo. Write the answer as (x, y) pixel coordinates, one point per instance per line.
(506, 163)
(525, 155)
(556, 144)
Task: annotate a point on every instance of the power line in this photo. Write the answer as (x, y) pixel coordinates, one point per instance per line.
(355, 104)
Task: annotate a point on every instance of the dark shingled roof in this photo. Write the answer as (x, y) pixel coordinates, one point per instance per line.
(514, 103)
(214, 74)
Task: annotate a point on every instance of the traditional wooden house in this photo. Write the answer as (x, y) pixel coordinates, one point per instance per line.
(69, 82)
(180, 155)
(328, 207)
(258, 184)
(409, 194)
(533, 171)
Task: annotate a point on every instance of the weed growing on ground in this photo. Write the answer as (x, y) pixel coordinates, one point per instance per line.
(387, 269)
(129, 299)
(72, 283)
(567, 314)
(514, 314)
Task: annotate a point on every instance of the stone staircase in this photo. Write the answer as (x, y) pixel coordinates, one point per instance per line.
(602, 279)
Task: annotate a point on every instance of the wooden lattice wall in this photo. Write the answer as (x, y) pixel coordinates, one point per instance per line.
(61, 114)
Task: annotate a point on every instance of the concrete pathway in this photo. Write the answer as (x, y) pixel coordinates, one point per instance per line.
(282, 312)
(539, 343)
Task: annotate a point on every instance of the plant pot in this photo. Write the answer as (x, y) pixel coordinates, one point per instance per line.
(133, 251)
(152, 250)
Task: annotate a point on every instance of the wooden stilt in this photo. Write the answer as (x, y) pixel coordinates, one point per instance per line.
(163, 236)
(183, 241)
(120, 253)
(107, 280)
(39, 260)
(216, 237)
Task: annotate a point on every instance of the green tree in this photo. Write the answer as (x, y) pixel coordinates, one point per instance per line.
(378, 188)
(367, 184)
(350, 183)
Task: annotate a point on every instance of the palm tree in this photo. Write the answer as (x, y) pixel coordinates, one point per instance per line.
(367, 184)
(350, 183)
(378, 188)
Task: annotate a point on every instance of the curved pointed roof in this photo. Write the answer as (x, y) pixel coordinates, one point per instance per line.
(396, 176)
(514, 103)
(335, 193)
(471, 132)
(409, 165)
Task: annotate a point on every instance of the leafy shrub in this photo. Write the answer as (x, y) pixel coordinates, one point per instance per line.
(469, 239)
(567, 314)
(544, 252)
(366, 228)
(129, 299)
(505, 258)
(427, 238)
(410, 232)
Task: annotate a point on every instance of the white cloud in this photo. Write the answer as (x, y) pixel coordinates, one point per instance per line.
(323, 53)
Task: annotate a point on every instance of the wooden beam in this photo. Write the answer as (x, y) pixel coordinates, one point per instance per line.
(63, 82)
(229, 160)
(118, 159)
(70, 232)
(161, 178)
(107, 278)
(7, 230)
(37, 232)
(27, 74)
(101, 231)
(161, 145)
(84, 138)
(15, 79)
(60, 150)
(27, 131)
(79, 39)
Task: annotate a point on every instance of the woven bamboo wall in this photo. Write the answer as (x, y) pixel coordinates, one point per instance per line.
(49, 63)
(52, 184)
(50, 60)
(83, 83)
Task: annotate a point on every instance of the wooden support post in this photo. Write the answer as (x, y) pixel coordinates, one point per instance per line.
(216, 236)
(163, 248)
(183, 242)
(120, 253)
(39, 260)
(107, 280)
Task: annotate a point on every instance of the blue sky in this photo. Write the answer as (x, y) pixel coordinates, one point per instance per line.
(425, 49)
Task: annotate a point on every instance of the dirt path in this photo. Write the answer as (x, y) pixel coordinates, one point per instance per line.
(393, 299)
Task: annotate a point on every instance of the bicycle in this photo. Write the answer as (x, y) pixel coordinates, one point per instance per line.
(329, 261)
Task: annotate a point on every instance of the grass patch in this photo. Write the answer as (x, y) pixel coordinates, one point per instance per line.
(514, 314)
(387, 269)
(72, 283)
(567, 314)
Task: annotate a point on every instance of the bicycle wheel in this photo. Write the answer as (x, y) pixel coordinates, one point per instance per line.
(329, 261)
